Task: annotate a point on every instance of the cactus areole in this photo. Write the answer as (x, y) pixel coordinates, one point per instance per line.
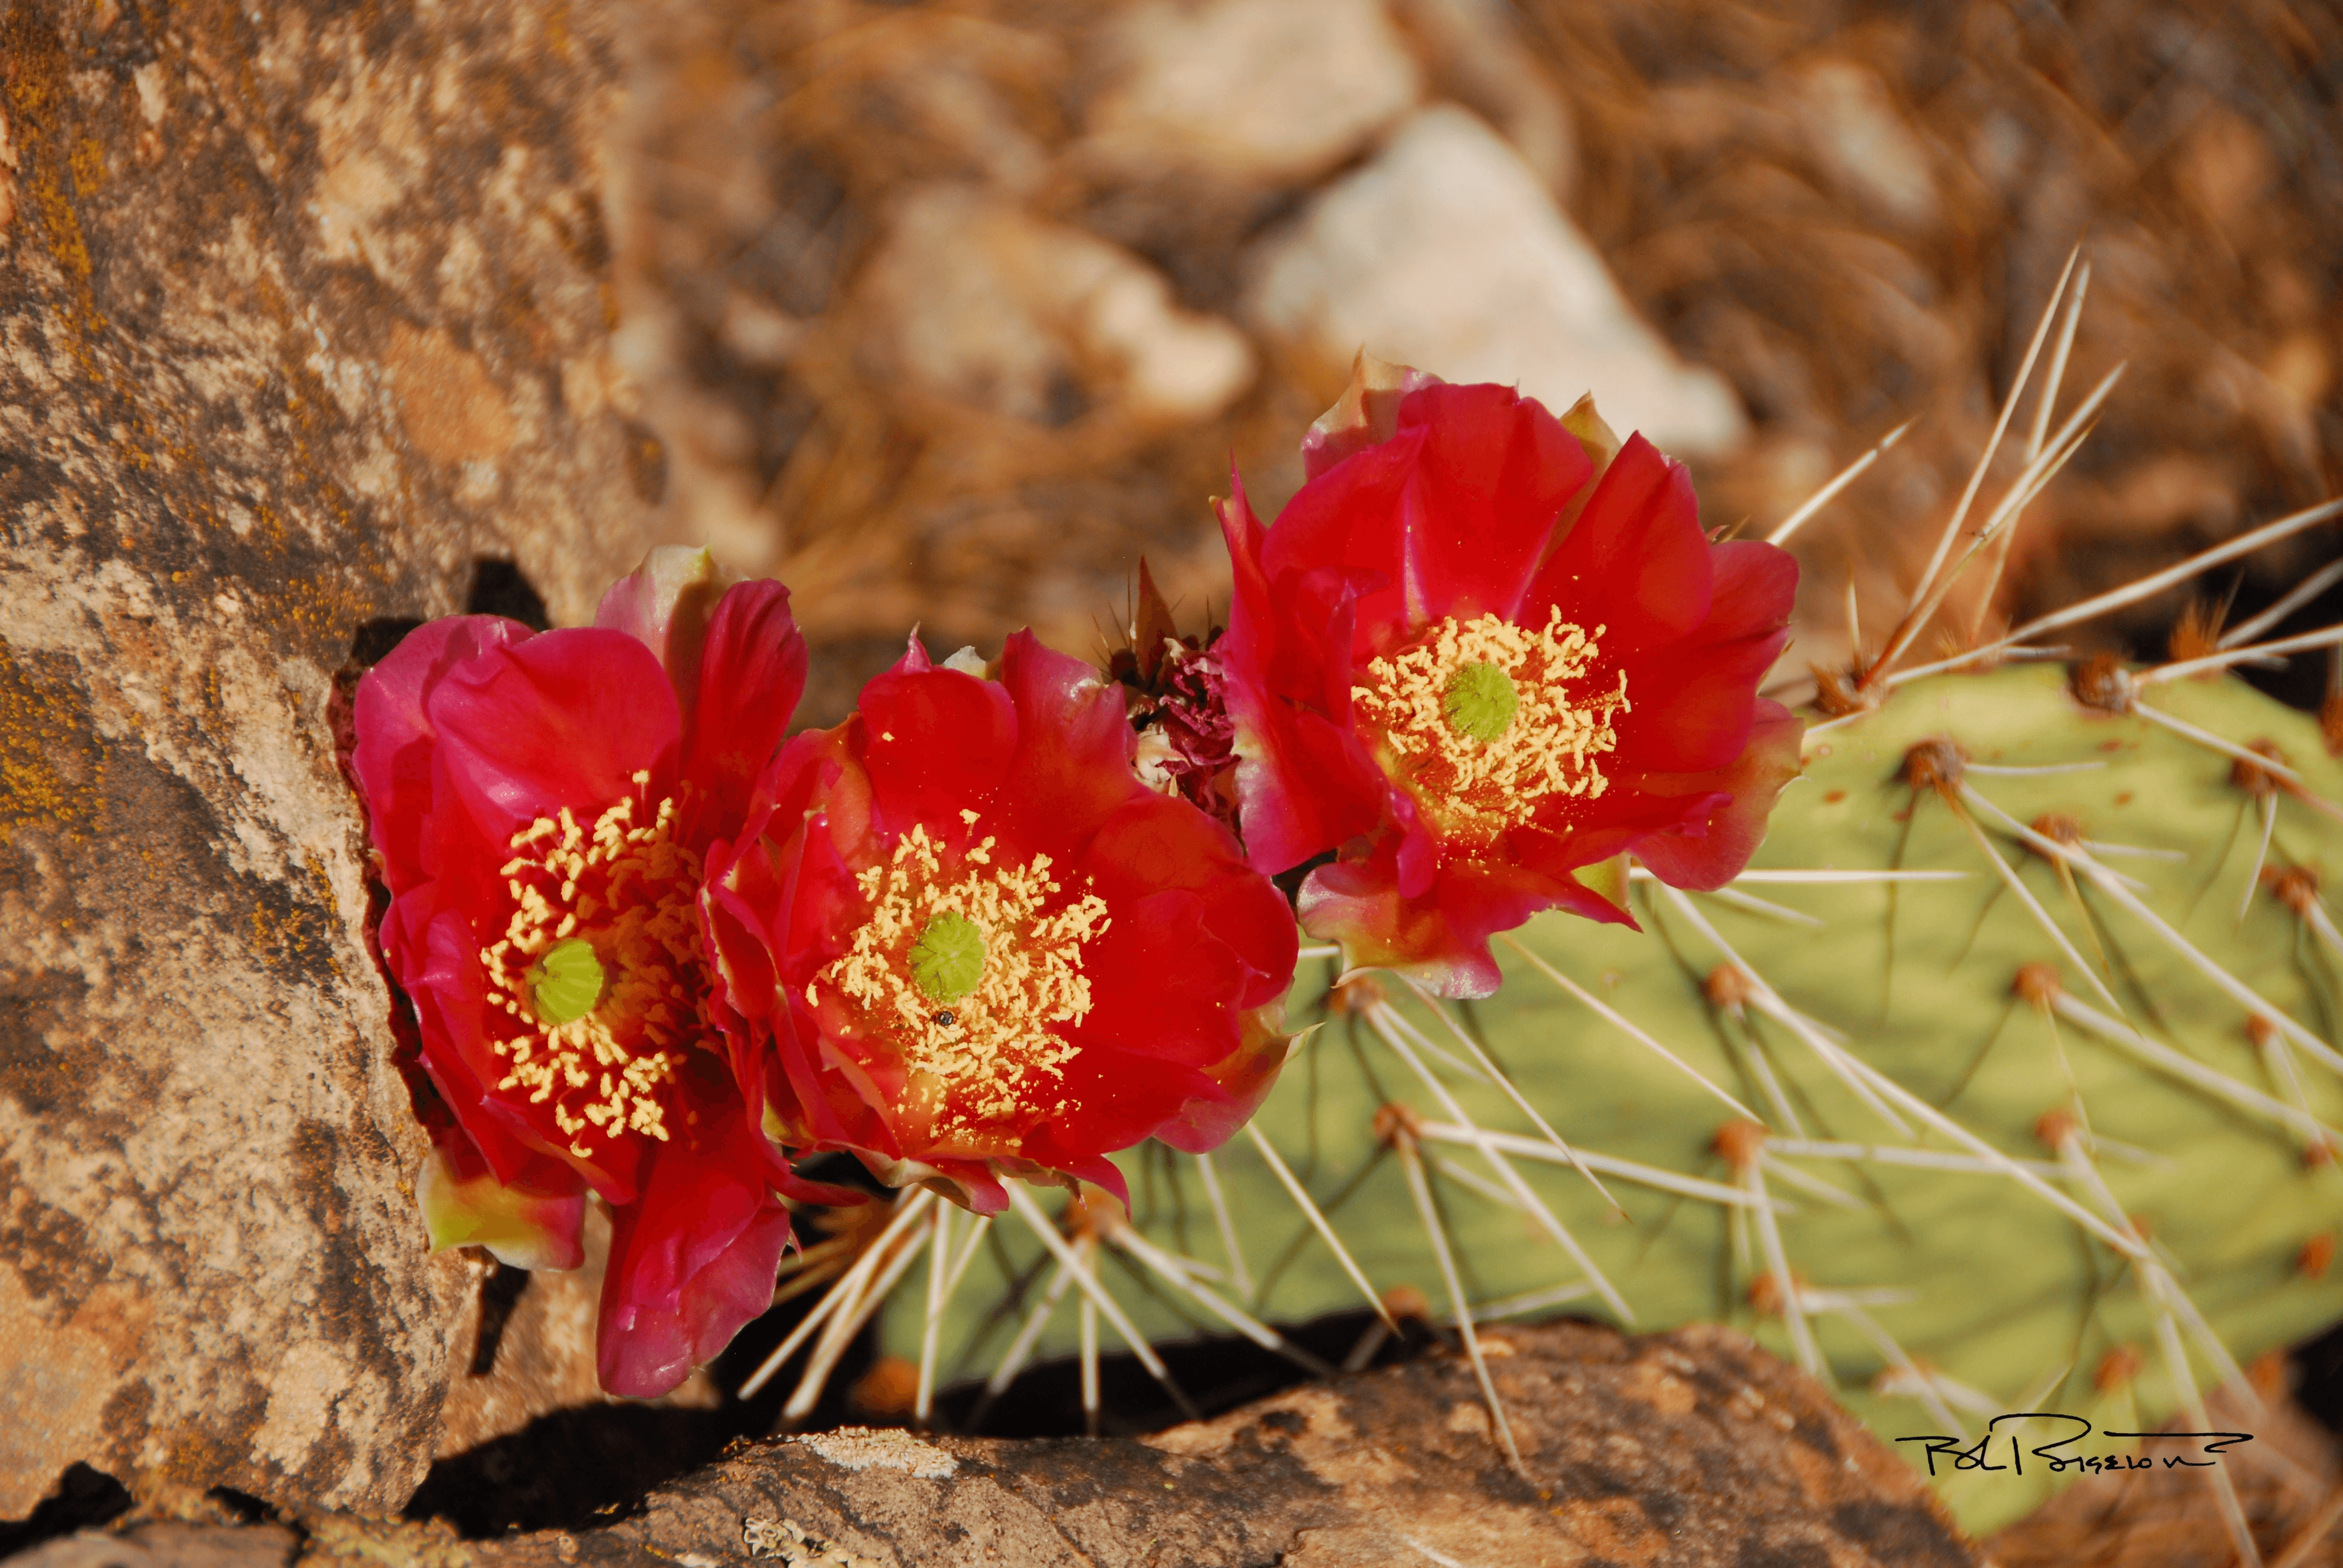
(541, 805)
(967, 942)
(1484, 654)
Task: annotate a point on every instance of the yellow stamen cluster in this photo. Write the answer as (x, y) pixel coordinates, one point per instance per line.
(1475, 788)
(628, 887)
(978, 1060)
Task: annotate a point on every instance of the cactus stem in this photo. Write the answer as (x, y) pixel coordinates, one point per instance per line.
(1766, 907)
(939, 1293)
(937, 1301)
(2107, 883)
(1513, 1092)
(2058, 377)
(1752, 1176)
(1446, 1057)
(2326, 637)
(1829, 492)
(1013, 1360)
(1411, 1164)
(1092, 1291)
(1619, 1020)
(1908, 1376)
(2311, 587)
(847, 1321)
(2038, 472)
(1766, 1000)
(2268, 806)
(2017, 885)
(2125, 1036)
(1642, 874)
(1090, 1367)
(1318, 1222)
(1172, 1272)
(1379, 1019)
(1811, 1184)
(1655, 1176)
(1890, 1154)
(1239, 1279)
(2164, 1297)
(2043, 407)
(908, 1208)
(2134, 591)
(2000, 429)
(2041, 772)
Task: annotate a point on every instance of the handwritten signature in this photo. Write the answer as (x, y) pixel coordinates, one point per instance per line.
(2055, 1455)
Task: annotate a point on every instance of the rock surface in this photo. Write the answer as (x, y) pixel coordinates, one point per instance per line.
(1445, 251)
(1689, 1450)
(302, 314)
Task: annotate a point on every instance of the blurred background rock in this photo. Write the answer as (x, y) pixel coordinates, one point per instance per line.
(945, 312)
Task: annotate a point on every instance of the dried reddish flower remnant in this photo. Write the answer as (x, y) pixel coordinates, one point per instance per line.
(967, 942)
(1479, 672)
(541, 807)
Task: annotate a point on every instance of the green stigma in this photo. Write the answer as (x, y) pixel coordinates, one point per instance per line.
(1480, 702)
(949, 957)
(566, 982)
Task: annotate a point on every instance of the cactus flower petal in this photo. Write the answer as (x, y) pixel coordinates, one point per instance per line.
(977, 945)
(543, 807)
(1468, 669)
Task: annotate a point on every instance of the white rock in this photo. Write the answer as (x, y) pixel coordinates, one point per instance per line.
(1861, 137)
(1266, 90)
(981, 302)
(1445, 253)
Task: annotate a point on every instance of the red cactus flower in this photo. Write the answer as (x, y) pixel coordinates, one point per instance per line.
(1482, 673)
(541, 805)
(971, 944)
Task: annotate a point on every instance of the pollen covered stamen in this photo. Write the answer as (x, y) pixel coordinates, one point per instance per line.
(1482, 720)
(962, 966)
(601, 967)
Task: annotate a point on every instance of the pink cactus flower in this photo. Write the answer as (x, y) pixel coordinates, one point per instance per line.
(1477, 673)
(971, 944)
(542, 807)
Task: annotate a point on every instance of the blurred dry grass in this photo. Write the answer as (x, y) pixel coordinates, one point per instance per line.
(1854, 213)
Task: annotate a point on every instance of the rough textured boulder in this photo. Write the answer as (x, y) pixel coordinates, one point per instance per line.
(1690, 1450)
(303, 314)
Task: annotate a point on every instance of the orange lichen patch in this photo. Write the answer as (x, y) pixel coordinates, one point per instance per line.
(2295, 887)
(1484, 721)
(2056, 1129)
(2102, 682)
(2116, 1368)
(1937, 764)
(2037, 983)
(50, 773)
(1394, 1121)
(1092, 1211)
(974, 1024)
(2263, 1030)
(2251, 777)
(627, 889)
(2318, 1153)
(1728, 986)
(2316, 1256)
